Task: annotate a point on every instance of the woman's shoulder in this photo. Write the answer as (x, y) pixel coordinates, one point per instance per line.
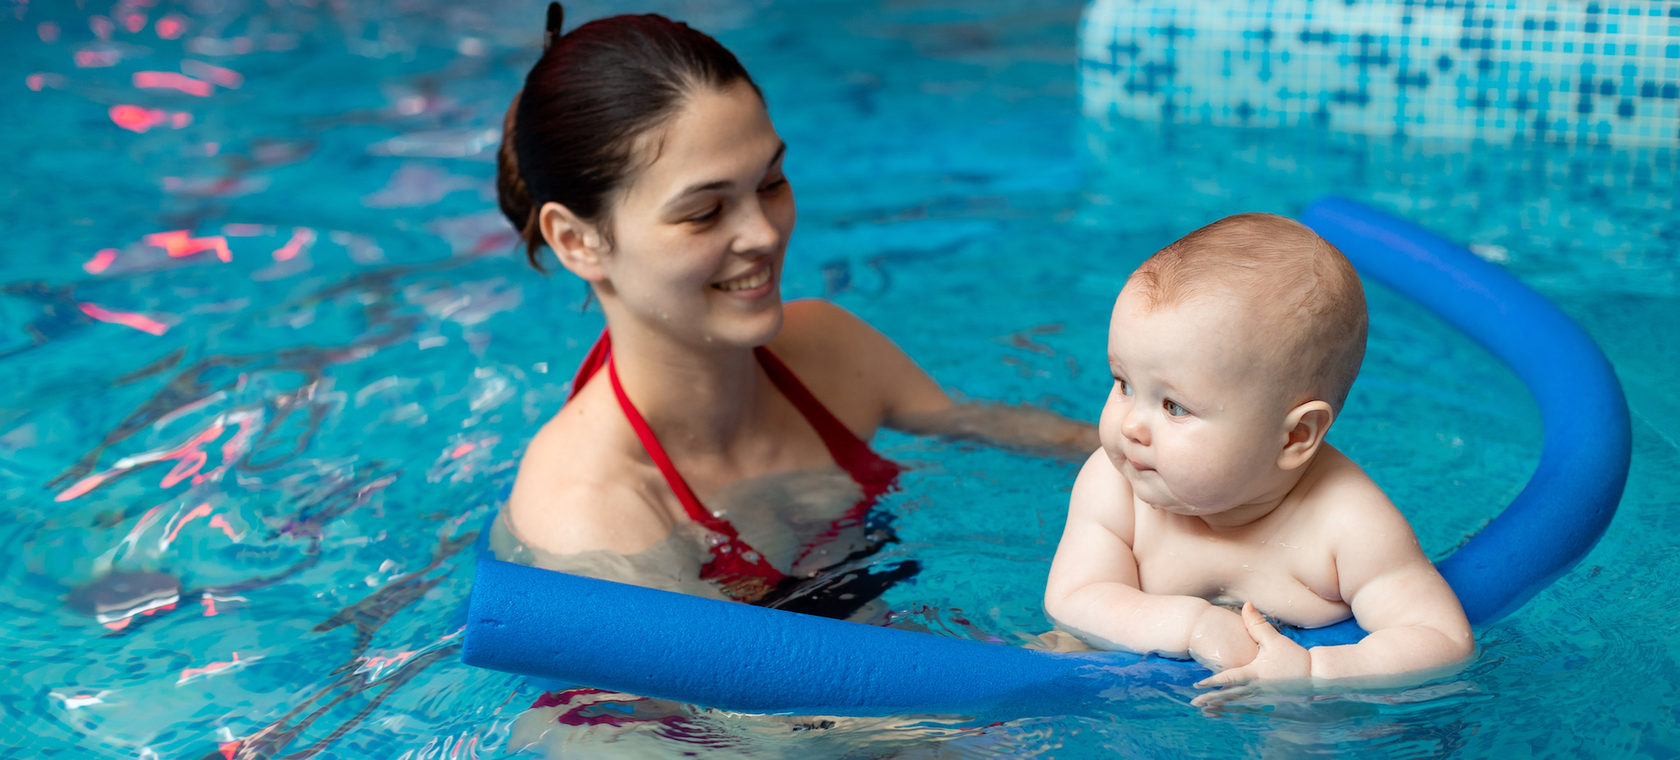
(848, 363)
(823, 329)
(581, 488)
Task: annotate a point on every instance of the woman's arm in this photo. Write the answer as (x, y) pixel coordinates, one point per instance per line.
(1019, 427)
(886, 387)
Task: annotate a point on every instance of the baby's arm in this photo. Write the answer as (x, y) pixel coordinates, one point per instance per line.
(1094, 588)
(1414, 621)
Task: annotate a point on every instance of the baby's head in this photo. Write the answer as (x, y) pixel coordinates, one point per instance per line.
(1233, 350)
(1301, 301)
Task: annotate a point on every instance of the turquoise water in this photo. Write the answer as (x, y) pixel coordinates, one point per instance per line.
(304, 415)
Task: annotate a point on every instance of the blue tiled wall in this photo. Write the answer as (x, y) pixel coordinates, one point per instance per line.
(1603, 72)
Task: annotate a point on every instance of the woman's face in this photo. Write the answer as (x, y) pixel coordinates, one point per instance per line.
(700, 232)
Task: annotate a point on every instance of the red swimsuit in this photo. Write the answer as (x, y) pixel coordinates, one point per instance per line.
(742, 571)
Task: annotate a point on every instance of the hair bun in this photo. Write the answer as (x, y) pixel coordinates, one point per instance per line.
(556, 17)
(511, 194)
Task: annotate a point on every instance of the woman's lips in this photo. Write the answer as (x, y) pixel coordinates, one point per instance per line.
(751, 281)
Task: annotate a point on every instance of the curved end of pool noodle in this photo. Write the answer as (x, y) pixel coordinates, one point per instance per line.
(740, 657)
(1583, 467)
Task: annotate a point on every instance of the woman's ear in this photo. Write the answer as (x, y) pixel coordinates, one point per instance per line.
(1307, 425)
(575, 242)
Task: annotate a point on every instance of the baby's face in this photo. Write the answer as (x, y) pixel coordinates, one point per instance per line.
(1194, 422)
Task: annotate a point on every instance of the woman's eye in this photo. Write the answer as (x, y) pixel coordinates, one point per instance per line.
(706, 217)
(774, 185)
(1173, 409)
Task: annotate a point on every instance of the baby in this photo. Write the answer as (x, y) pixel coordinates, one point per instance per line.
(1232, 351)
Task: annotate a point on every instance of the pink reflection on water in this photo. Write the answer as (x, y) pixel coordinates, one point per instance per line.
(121, 623)
(202, 510)
(188, 674)
(137, 119)
(301, 237)
(189, 457)
(87, 484)
(227, 78)
(170, 27)
(101, 261)
(101, 26)
(139, 322)
(173, 81)
(98, 58)
(221, 522)
(47, 31)
(196, 512)
(236, 229)
(178, 243)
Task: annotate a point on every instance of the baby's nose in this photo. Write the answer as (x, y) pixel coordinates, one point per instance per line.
(1135, 428)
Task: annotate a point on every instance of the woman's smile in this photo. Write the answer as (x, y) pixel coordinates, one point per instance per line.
(755, 283)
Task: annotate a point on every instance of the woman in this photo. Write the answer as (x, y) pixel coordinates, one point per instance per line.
(715, 440)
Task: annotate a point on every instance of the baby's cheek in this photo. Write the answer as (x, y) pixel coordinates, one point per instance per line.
(1108, 428)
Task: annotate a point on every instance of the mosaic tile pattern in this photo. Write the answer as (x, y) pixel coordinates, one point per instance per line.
(1555, 71)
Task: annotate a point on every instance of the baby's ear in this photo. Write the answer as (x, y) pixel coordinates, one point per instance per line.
(575, 242)
(1307, 424)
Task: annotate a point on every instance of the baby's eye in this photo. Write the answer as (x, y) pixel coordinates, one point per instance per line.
(1124, 387)
(1173, 409)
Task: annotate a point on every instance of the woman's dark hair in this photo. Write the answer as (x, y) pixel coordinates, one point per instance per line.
(568, 135)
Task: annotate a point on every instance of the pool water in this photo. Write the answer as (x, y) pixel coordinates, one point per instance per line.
(264, 335)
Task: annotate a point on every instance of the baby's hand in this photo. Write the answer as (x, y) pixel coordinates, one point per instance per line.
(1219, 640)
(1278, 659)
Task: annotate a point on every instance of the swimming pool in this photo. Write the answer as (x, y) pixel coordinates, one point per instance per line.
(262, 330)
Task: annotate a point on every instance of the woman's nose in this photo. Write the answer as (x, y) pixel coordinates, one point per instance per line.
(757, 232)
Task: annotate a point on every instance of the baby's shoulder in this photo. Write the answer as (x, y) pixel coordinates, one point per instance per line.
(1102, 495)
(1344, 498)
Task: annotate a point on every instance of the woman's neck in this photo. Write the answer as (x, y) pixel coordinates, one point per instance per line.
(698, 400)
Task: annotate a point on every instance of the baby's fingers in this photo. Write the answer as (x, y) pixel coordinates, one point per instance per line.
(1211, 701)
(1225, 678)
(1259, 628)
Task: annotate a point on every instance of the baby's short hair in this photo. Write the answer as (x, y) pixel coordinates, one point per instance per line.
(1296, 283)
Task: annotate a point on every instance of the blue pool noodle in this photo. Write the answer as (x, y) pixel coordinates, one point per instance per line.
(1583, 467)
(734, 656)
